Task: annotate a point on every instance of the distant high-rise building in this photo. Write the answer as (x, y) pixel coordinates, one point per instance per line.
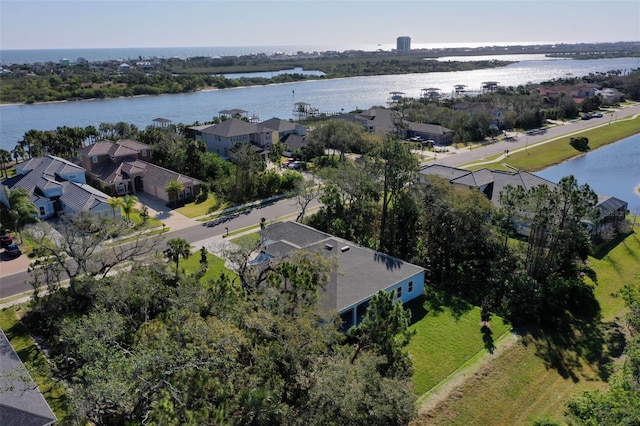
(403, 44)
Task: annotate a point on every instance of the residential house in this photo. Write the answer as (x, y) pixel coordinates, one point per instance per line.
(385, 121)
(438, 134)
(375, 120)
(122, 167)
(577, 92)
(493, 182)
(610, 96)
(56, 186)
(481, 108)
(21, 403)
(223, 136)
(358, 272)
(293, 144)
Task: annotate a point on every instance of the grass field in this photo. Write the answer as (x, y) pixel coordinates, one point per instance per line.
(535, 378)
(448, 334)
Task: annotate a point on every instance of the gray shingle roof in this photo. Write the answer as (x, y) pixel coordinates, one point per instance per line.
(43, 173)
(433, 129)
(82, 197)
(21, 403)
(277, 124)
(446, 172)
(610, 205)
(230, 128)
(360, 272)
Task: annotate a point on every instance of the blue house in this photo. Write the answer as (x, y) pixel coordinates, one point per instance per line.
(359, 272)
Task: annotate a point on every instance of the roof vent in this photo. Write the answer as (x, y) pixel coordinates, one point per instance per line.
(345, 248)
(328, 246)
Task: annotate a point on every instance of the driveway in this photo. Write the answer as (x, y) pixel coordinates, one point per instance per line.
(159, 210)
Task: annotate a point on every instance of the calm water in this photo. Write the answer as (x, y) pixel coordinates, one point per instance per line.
(278, 100)
(611, 170)
(269, 74)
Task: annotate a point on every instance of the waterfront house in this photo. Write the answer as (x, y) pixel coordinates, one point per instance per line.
(491, 183)
(223, 136)
(358, 272)
(473, 108)
(438, 134)
(56, 186)
(121, 168)
(375, 120)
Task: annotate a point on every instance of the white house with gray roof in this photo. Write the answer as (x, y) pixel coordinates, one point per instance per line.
(56, 186)
(359, 272)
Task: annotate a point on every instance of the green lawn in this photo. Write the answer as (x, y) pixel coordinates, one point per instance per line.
(448, 334)
(40, 370)
(536, 377)
(248, 240)
(211, 204)
(215, 267)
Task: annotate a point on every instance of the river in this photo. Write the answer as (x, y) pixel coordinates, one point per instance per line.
(611, 170)
(265, 102)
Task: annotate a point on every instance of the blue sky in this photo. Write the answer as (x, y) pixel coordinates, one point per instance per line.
(55, 24)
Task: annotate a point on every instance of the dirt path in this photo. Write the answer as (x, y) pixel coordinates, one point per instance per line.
(442, 390)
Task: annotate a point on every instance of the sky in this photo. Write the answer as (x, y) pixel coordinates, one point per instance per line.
(56, 24)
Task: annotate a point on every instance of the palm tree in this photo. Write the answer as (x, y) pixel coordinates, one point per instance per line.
(19, 153)
(173, 187)
(177, 248)
(20, 208)
(115, 203)
(128, 203)
(5, 159)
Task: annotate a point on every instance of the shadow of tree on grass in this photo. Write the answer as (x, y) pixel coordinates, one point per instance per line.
(577, 343)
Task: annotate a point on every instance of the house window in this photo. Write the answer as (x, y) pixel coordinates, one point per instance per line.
(42, 211)
(187, 191)
(410, 289)
(94, 159)
(181, 194)
(399, 292)
(144, 152)
(121, 188)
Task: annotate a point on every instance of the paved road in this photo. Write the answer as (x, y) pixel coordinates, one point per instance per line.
(463, 156)
(14, 276)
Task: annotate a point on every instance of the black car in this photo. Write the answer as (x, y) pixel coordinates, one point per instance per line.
(13, 250)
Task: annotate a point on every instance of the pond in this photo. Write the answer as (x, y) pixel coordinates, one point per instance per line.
(611, 170)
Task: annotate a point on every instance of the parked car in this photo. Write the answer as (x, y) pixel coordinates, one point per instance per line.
(5, 240)
(597, 115)
(13, 250)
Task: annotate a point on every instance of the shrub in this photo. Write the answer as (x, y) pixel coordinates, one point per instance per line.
(581, 144)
